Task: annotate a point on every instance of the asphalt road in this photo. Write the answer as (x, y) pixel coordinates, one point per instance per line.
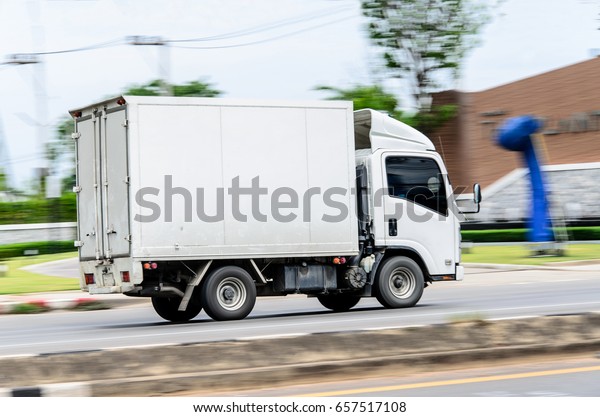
(64, 268)
(489, 294)
(572, 377)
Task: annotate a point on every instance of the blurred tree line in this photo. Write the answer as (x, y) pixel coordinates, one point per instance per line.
(38, 210)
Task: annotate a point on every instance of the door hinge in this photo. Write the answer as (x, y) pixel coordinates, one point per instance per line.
(77, 189)
(75, 135)
(78, 243)
(125, 123)
(128, 238)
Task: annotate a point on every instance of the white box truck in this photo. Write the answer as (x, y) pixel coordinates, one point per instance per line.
(204, 203)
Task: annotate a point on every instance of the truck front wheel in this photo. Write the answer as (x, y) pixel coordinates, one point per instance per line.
(228, 293)
(399, 283)
(167, 308)
(338, 302)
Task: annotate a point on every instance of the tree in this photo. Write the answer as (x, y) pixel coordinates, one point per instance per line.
(375, 97)
(60, 152)
(3, 182)
(189, 89)
(366, 97)
(61, 144)
(423, 41)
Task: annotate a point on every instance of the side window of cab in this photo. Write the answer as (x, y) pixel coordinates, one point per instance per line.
(417, 179)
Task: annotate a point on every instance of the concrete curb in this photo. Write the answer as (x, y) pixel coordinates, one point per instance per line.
(556, 266)
(64, 301)
(244, 364)
(9, 307)
(269, 376)
(74, 389)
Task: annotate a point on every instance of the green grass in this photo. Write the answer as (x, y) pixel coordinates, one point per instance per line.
(18, 281)
(520, 235)
(521, 255)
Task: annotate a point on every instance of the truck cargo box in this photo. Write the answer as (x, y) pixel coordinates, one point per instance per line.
(196, 178)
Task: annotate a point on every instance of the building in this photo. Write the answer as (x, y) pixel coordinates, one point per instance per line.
(567, 102)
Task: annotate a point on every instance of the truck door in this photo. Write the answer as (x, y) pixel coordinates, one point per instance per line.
(103, 184)
(416, 210)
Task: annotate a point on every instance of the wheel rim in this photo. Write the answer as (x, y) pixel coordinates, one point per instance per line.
(402, 283)
(231, 293)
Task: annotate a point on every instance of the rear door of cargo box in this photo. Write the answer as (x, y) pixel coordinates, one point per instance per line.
(103, 184)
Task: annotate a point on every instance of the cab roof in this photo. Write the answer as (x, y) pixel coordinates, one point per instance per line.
(376, 130)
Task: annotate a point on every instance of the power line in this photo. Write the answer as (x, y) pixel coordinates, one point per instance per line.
(31, 58)
(20, 160)
(264, 28)
(230, 35)
(273, 38)
(107, 44)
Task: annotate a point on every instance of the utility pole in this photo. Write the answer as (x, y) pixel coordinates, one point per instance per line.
(43, 175)
(39, 83)
(163, 58)
(5, 167)
(41, 106)
(15, 59)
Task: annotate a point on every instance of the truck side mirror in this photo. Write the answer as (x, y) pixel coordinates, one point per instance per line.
(477, 193)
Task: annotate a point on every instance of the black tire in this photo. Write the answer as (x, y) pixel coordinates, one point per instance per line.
(399, 283)
(228, 293)
(338, 302)
(167, 308)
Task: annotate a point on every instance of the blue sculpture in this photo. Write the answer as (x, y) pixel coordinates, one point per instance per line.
(515, 135)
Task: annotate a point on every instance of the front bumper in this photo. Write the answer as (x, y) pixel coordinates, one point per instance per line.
(460, 272)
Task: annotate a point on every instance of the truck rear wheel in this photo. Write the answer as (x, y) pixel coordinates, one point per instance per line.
(399, 283)
(228, 293)
(167, 308)
(338, 302)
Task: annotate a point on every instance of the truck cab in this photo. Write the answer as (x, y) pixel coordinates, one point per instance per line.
(411, 207)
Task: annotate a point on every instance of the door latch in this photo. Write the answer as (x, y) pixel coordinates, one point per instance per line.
(393, 227)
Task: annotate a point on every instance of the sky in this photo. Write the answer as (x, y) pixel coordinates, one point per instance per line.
(273, 49)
